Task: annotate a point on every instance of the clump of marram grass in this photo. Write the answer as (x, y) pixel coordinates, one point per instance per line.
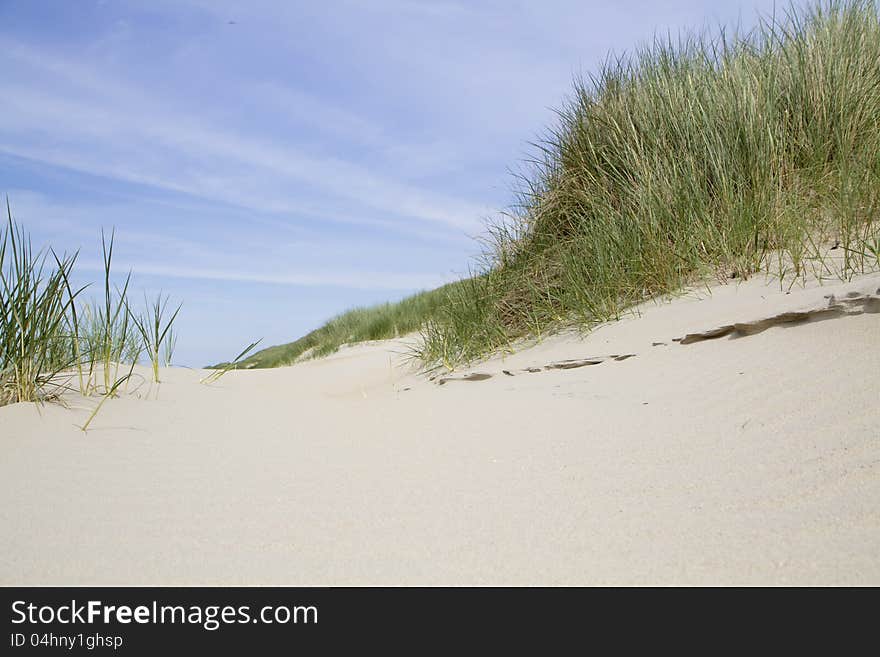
(34, 301)
(691, 158)
(51, 340)
(154, 329)
(104, 332)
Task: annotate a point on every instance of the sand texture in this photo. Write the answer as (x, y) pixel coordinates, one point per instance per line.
(723, 438)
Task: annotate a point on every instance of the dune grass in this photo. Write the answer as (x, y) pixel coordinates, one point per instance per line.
(155, 330)
(53, 339)
(107, 338)
(705, 156)
(223, 368)
(34, 302)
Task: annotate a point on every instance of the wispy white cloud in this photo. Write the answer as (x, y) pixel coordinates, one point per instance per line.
(105, 128)
(283, 259)
(306, 110)
(357, 280)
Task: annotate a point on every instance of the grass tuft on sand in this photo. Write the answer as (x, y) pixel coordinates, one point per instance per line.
(53, 340)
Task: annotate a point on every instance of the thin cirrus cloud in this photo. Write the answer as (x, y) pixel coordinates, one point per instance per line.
(356, 280)
(158, 254)
(104, 128)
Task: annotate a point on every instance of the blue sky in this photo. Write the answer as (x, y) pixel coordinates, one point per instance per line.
(272, 164)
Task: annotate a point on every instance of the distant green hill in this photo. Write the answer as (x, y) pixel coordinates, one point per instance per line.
(380, 322)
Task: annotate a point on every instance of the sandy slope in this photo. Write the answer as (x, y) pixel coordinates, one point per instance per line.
(753, 457)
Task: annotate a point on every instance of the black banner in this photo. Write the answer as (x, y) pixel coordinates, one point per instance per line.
(175, 620)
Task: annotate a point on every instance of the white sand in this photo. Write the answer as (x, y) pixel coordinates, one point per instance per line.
(736, 460)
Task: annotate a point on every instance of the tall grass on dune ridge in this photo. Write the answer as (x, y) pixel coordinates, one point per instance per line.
(692, 157)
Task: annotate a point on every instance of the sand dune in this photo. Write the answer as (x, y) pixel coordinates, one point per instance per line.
(723, 438)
